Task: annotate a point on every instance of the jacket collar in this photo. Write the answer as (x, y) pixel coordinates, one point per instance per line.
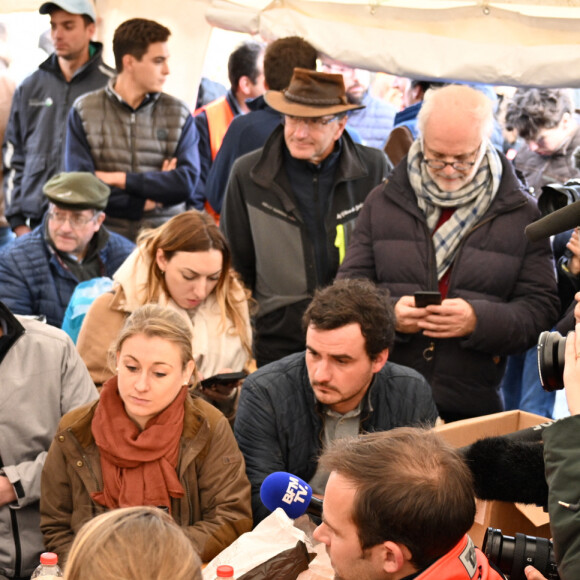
(51, 63)
(271, 161)
(115, 96)
(233, 103)
(258, 104)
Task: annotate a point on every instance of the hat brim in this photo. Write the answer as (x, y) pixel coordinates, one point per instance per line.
(280, 103)
(46, 8)
(75, 206)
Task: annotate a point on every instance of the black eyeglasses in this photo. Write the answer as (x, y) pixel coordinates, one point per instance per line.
(459, 165)
(310, 122)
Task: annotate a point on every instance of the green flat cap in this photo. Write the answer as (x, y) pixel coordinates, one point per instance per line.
(77, 191)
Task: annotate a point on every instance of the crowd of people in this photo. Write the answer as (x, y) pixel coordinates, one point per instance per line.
(284, 232)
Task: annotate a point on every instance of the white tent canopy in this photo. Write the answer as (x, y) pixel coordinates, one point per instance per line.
(512, 42)
(533, 42)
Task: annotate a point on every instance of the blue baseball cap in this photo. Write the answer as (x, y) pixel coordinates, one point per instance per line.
(72, 6)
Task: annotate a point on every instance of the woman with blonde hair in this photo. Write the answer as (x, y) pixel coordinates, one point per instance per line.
(185, 265)
(135, 542)
(147, 441)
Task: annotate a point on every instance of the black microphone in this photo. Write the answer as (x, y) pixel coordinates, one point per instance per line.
(529, 434)
(561, 220)
(291, 493)
(509, 468)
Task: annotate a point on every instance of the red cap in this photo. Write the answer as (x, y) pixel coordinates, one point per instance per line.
(225, 572)
(48, 559)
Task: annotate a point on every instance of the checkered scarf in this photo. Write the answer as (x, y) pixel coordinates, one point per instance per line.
(471, 201)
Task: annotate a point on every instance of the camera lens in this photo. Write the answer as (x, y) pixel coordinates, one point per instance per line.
(512, 555)
(551, 349)
(552, 198)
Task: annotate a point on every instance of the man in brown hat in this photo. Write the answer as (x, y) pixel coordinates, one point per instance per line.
(39, 271)
(290, 206)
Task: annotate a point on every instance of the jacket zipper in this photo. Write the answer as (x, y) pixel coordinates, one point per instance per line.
(133, 161)
(17, 545)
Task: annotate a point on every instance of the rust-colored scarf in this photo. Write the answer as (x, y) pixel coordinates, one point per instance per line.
(139, 467)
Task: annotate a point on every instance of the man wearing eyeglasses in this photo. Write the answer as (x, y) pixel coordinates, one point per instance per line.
(290, 206)
(451, 219)
(39, 271)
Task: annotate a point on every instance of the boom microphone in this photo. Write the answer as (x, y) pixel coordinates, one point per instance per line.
(284, 490)
(559, 221)
(508, 469)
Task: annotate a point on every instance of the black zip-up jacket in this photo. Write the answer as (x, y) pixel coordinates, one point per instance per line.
(279, 422)
(271, 247)
(508, 280)
(35, 135)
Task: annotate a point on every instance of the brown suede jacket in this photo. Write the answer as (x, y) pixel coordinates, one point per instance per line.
(213, 513)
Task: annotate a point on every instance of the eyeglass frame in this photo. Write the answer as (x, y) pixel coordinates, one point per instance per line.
(311, 122)
(61, 220)
(462, 166)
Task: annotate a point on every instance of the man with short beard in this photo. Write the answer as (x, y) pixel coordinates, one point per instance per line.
(343, 385)
(35, 136)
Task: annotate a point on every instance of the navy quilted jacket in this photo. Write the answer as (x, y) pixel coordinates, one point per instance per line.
(279, 423)
(33, 280)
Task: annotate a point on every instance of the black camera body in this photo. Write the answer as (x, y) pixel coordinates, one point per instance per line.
(512, 554)
(555, 196)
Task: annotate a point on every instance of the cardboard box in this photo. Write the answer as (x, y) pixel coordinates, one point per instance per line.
(509, 518)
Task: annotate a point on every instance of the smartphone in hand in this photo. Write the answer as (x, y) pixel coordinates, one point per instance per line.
(223, 379)
(424, 298)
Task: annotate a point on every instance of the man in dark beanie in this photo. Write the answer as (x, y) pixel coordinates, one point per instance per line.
(40, 271)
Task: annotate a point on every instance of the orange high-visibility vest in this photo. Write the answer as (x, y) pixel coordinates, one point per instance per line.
(219, 116)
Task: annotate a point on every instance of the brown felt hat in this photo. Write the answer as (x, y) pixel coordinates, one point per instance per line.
(311, 94)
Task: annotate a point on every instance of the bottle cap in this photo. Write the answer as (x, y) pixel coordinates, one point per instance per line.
(225, 572)
(48, 558)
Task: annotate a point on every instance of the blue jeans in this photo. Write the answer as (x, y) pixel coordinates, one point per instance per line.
(521, 387)
(6, 236)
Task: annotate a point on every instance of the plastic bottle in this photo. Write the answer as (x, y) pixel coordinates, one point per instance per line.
(48, 568)
(224, 572)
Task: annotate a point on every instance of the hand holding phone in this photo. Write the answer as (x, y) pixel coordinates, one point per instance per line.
(425, 298)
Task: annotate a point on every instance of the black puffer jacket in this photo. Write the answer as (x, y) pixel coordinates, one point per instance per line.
(508, 281)
(279, 422)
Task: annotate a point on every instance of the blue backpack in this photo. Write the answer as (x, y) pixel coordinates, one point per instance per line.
(80, 302)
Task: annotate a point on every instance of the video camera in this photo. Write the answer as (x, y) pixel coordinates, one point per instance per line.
(555, 196)
(512, 555)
